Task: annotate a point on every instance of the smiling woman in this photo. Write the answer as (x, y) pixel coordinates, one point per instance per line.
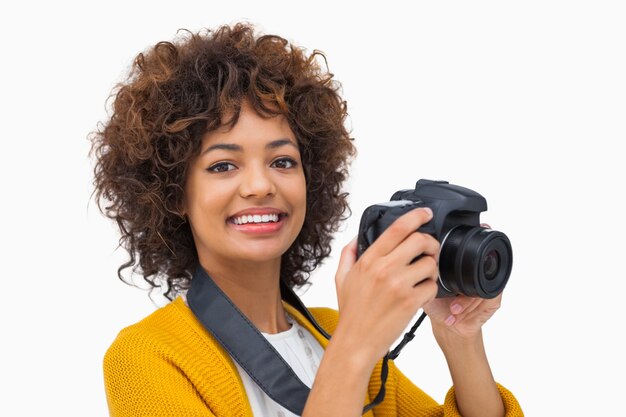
(223, 163)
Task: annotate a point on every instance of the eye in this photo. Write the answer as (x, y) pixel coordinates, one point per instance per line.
(221, 167)
(284, 163)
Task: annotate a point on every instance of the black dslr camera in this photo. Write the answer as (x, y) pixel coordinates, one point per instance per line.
(473, 260)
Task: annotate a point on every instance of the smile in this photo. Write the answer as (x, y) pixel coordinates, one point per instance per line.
(257, 218)
(258, 224)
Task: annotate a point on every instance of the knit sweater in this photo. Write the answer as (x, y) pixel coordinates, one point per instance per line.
(169, 365)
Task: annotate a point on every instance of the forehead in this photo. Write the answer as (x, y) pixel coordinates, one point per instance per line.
(251, 128)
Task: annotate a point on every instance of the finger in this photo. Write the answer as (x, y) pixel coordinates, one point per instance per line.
(460, 303)
(426, 291)
(479, 306)
(403, 280)
(419, 280)
(423, 269)
(399, 230)
(460, 307)
(461, 311)
(411, 275)
(413, 246)
(346, 261)
(485, 225)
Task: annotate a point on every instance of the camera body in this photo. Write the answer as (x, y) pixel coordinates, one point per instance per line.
(473, 260)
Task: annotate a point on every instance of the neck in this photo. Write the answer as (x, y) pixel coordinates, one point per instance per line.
(254, 289)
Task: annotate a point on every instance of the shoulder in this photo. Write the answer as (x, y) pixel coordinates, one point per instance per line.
(158, 334)
(157, 321)
(168, 360)
(140, 335)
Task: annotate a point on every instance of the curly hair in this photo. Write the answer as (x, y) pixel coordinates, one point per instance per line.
(174, 94)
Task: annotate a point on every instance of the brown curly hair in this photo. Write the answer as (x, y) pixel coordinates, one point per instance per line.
(178, 91)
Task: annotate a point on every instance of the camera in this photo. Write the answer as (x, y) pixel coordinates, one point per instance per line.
(474, 261)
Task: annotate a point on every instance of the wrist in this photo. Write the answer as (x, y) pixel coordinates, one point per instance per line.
(341, 381)
(360, 357)
(448, 339)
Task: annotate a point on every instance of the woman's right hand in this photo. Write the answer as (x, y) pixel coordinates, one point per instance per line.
(380, 293)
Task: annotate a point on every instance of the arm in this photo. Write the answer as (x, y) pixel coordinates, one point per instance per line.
(377, 295)
(403, 398)
(457, 326)
(475, 388)
(341, 382)
(412, 401)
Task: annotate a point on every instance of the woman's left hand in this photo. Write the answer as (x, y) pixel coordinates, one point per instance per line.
(461, 316)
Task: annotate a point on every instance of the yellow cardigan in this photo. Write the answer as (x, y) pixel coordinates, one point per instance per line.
(169, 365)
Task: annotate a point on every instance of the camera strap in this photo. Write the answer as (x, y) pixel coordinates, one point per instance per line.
(392, 355)
(251, 350)
(245, 343)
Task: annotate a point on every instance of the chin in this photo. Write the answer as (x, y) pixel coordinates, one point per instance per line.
(261, 254)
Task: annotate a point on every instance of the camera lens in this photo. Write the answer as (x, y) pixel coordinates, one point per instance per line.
(491, 263)
(475, 261)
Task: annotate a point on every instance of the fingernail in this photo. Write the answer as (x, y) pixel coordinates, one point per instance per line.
(456, 308)
(450, 321)
(429, 211)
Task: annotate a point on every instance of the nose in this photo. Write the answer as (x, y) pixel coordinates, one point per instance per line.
(257, 182)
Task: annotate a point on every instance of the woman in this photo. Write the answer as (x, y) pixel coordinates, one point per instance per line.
(228, 150)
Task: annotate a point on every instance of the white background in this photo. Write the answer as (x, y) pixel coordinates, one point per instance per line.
(523, 102)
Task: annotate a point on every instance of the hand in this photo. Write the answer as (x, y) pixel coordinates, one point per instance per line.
(461, 316)
(381, 292)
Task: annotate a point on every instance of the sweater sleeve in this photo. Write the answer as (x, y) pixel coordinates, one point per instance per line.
(412, 401)
(141, 381)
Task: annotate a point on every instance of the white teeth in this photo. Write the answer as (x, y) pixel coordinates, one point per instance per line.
(257, 218)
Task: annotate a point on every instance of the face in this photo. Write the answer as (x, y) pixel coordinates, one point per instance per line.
(245, 195)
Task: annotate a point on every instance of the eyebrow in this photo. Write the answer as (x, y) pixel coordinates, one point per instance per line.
(233, 147)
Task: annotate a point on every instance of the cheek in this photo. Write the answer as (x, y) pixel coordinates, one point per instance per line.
(211, 204)
(299, 196)
(297, 189)
(201, 201)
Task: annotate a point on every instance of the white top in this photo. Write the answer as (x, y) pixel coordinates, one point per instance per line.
(301, 351)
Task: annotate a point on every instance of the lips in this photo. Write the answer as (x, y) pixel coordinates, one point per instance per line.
(258, 211)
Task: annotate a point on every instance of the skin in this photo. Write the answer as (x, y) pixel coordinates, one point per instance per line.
(222, 182)
(379, 293)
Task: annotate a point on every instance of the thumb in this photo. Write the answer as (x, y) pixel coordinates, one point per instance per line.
(346, 261)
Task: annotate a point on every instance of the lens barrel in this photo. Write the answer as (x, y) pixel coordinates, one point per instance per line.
(475, 261)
